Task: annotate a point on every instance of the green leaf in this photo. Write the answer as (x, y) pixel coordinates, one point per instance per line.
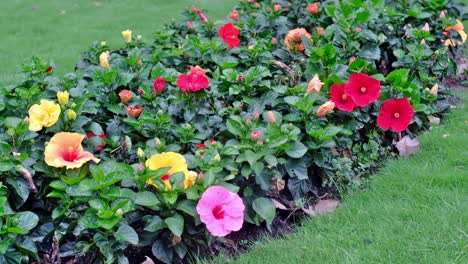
(175, 223)
(296, 150)
(154, 223)
(234, 127)
(297, 168)
(370, 53)
(127, 233)
(146, 198)
(27, 221)
(265, 208)
(162, 252)
(188, 207)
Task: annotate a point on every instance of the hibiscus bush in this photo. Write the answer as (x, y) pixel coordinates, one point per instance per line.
(162, 148)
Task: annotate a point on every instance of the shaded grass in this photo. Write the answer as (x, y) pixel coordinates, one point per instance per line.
(59, 30)
(414, 211)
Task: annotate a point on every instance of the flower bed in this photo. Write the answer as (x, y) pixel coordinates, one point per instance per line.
(163, 149)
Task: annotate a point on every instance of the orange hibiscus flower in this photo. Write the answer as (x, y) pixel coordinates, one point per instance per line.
(293, 39)
(65, 150)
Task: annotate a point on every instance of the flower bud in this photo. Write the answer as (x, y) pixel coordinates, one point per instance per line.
(119, 212)
(442, 14)
(321, 31)
(127, 35)
(140, 166)
(140, 153)
(10, 132)
(256, 135)
(278, 7)
(256, 114)
(357, 29)
(189, 24)
(63, 97)
(315, 85)
(157, 141)
(313, 8)
(435, 89)
(159, 84)
(103, 43)
(139, 37)
(271, 117)
(104, 59)
(259, 142)
(325, 109)
(248, 121)
(426, 27)
(352, 59)
(423, 42)
(71, 115)
(217, 157)
(125, 96)
(134, 111)
(274, 41)
(234, 15)
(49, 70)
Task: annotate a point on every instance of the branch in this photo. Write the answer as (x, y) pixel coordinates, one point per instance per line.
(27, 176)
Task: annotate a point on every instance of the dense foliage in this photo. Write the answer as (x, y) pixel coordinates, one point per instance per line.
(275, 102)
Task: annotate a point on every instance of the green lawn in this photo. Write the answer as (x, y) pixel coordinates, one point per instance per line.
(414, 211)
(59, 30)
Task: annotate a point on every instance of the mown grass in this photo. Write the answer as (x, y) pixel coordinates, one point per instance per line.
(415, 210)
(59, 30)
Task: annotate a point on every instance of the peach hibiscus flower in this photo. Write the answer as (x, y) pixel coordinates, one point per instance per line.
(64, 150)
(293, 39)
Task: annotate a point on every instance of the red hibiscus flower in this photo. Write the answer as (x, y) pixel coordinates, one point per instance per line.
(194, 81)
(362, 88)
(159, 84)
(395, 114)
(102, 136)
(230, 35)
(200, 146)
(342, 101)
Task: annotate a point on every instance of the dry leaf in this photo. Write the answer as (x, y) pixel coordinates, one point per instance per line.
(407, 146)
(347, 154)
(433, 120)
(322, 207)
(277, 184)
(148, 261)
(335, 152)
(175, 240)
(279, 205)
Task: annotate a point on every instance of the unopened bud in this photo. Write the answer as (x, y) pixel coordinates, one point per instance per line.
(271, 117)
(71, 115)
(140, 153)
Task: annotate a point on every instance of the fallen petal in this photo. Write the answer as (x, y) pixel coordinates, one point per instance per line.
(279, 205)
(322, 207)
(407, 146)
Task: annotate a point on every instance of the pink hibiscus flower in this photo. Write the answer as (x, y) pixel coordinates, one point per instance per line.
(221, 211)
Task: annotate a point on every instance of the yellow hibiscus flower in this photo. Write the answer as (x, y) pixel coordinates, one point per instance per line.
(173, 160)
(45, 114)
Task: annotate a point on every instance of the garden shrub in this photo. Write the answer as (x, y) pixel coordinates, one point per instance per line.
(161, 148)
